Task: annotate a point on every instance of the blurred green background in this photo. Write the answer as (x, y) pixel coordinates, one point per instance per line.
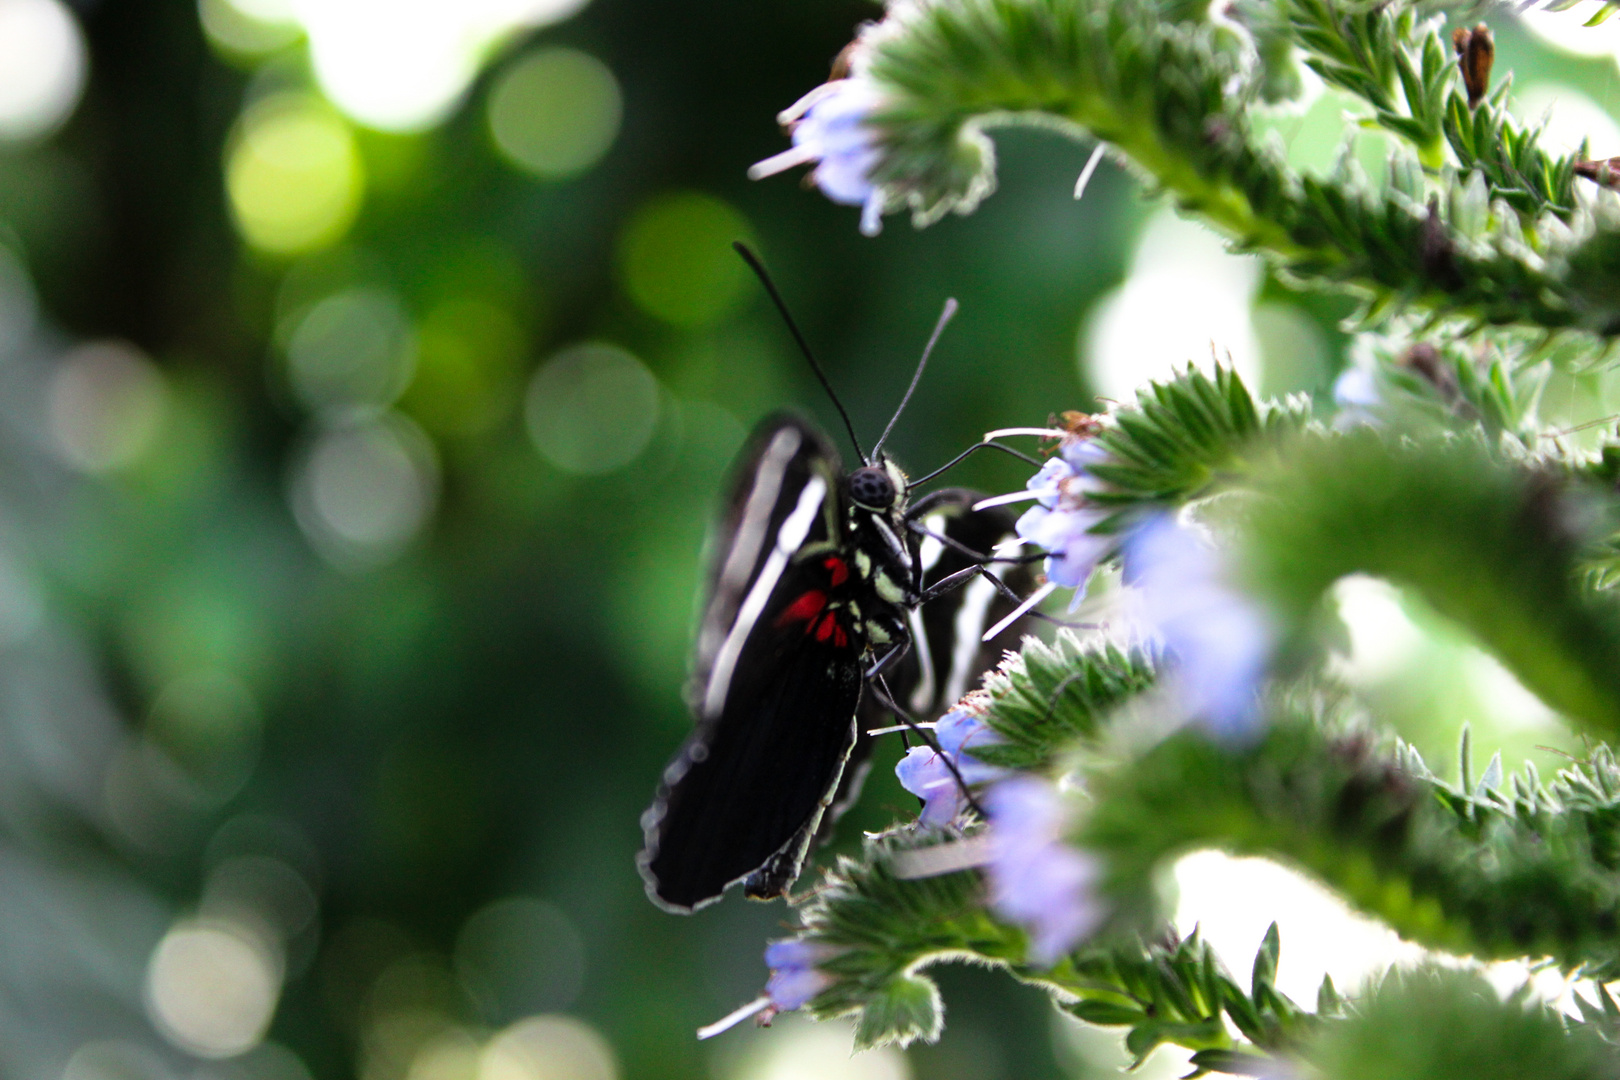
(367, 373)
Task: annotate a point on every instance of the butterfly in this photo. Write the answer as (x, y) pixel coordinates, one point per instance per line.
(832, 599)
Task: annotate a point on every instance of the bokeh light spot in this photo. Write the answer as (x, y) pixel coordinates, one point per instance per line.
(820, 1052)
(592, 408)
(114, 1059)
(293, 175)
(42, 67)
(519, 956)
(211, 987)
(353, 348)
(555, 112)
(248, 28)
(364, 489)
(107, 402)
(676, 261)
(548, 1048)
(402, 65)
(452, 1055)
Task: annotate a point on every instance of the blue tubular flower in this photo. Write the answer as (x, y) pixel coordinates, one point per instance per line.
(1036, 880)
(1220, 638)
(928, 776)
(795, 978)
(830, 127)
(1062, 520)
(794, 981)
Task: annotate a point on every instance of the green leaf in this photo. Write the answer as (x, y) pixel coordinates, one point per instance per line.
(1265, 963)
(906, 1009)
(1105, 1013)
(1234, 1062)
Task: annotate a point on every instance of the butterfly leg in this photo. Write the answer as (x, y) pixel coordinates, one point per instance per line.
(977, 556)
(881, 690)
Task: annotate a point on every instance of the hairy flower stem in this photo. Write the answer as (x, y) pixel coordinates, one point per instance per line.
(1171, 98)
(884, 929)
(1486, 873)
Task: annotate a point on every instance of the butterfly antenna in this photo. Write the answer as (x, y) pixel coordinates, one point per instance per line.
(781, 305)
(928, 350)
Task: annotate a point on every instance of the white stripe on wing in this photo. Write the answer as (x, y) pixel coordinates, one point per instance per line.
(750, 534)
(788, 540)
(976, 597)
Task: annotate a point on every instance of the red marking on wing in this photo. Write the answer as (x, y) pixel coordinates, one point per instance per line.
(837, 568)
(828, 625)
(804, 609)
(840, 638)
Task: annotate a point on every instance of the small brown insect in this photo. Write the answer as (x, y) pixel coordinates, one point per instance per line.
(1080, 425)
(1476, 50)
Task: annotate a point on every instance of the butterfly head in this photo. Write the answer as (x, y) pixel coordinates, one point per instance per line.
(876, 486)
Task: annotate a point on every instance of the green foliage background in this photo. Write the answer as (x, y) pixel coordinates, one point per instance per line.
(486, 715)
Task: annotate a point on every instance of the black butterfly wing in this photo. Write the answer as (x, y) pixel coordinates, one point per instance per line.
(775, 702)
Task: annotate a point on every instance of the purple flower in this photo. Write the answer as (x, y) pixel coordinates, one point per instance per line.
(830, 127)
(1062, 519)
(795, 978)
(1221, 639)
(1036, 880)
(928, 776)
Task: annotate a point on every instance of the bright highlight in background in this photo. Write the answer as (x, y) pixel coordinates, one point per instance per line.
(1186, 301)
(555, 112)
(293, 175)
(212, 987)
(797, 1050)
(1320, 934)
(1570, 117)
(592, 408)
(403, 65)
(1565, 30)
(42, 67)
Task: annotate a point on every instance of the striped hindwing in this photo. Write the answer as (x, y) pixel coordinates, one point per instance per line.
(777, 681)
(947, 657)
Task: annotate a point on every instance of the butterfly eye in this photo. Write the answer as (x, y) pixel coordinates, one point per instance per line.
(871, 488)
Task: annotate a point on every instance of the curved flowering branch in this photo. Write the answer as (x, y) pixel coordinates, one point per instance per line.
(1496, 545)
(875, 930)
(1171, 99)
(1529, 871)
